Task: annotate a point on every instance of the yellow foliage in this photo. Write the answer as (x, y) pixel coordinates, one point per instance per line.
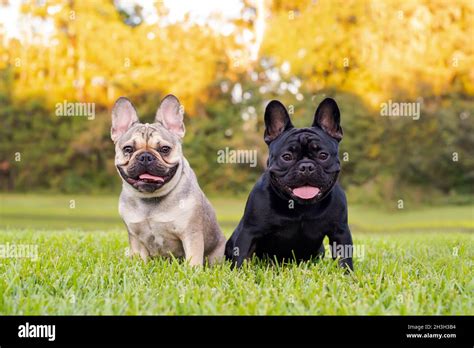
(390, 48)
(94, 56)
(375, 49)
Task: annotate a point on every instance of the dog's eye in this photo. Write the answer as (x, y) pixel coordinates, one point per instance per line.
(323, 156)
(287, 156)
(128, 149)
(165, 150)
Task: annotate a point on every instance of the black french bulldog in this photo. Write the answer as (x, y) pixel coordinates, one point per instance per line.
(297, 201)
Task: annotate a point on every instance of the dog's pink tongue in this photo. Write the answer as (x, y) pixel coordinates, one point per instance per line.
(306, 192)
(151, 177)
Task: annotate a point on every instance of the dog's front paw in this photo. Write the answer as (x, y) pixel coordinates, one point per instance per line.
(347, 265)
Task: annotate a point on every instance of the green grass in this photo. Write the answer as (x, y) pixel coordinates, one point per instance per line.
(101, 212)
(414, 262)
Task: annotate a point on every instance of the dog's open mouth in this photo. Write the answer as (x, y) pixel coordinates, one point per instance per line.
(148, 182)
(151, 178)
(306, 192)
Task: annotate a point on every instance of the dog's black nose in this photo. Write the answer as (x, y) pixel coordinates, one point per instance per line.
(306, 167)
(145, 158)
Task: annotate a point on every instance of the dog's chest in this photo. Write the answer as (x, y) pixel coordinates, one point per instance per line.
(302, 229)
(159, 238)
(159, 230)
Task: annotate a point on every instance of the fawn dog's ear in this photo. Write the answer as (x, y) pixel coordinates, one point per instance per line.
(170, 115)
(124, 116)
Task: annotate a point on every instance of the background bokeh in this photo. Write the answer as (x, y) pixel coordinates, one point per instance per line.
(225, 64)
(409, 181)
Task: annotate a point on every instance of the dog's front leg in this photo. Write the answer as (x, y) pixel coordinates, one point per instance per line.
(241, 248)
(193, 244)
(137, 248)
(341, 247)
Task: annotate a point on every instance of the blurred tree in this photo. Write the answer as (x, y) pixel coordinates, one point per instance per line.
(379, 51)
(362, 53)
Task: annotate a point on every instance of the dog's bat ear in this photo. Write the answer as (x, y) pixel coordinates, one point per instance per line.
(170, 115)
(328, 118)
(277, 120)
(124, 116)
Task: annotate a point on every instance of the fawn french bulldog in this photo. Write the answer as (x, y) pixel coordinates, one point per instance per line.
(162, 205)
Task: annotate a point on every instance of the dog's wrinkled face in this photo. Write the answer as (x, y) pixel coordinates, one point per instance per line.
(148, 156)
(303, 163)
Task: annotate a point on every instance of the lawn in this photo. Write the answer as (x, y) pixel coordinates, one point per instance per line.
(413, 262)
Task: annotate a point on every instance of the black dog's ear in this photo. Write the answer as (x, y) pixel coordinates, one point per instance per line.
(277, 120)
(328, 118)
